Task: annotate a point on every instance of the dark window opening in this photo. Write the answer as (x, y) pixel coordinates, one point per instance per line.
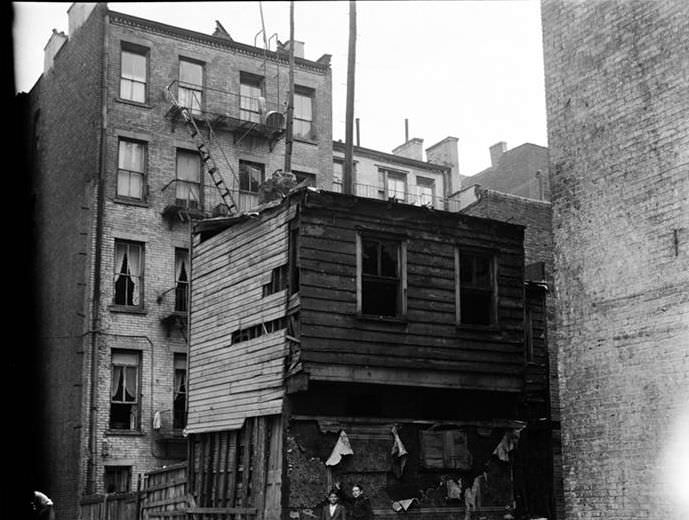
(476, 289)
(117, 479)
(179, 402)
(261, 329)
(380, 277)
(181, 279)
(309, 179)
(124, 394)
(251, 176)
(128, 273)
(278, 281)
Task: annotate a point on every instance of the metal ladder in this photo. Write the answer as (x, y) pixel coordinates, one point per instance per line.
(206, 157)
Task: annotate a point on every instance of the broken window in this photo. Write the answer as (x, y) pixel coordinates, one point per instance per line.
(181, 279)
(381, 262)
(250, 175)
(278, 281)
(250, 97)
(191, 85)
(128, 273)
(446, 449)
(133, 71)
(124, 390)
(179, 399)
(188, 183)
(130, 169)
(477, 288)
(117, 479)
(303, 112)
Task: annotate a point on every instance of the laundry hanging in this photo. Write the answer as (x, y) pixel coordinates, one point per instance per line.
(507, 444)
(399, 454)
(342, 447)
(404, 504)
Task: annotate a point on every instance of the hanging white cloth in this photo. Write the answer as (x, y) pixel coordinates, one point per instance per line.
(342, 447)
(507, 444)
(399, 453)
(403, 504)
(156, 421)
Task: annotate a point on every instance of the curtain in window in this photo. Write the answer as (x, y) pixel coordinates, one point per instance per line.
(117, 384)
(135, 272)
(188, 177)
(133, 66)
(120, 260)
(181, 266)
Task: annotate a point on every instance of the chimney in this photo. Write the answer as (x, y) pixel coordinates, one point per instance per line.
(445, 153)
(412, 149)
(298, 48)
(55, 43)
(77, 14)
(496, 152)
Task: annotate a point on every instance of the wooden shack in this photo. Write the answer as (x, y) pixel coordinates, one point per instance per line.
(339, 340)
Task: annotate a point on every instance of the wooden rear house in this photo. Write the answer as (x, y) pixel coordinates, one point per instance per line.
(340, 339)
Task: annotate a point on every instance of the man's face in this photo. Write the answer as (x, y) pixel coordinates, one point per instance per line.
(356, 491)
(332, 498)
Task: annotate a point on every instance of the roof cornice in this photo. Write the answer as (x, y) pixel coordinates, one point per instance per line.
(127, 20)
(391, 157)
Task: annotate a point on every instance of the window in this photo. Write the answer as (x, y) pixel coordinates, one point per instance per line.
(310, 178)
(128, 273)
(250, 175)
(188, 184)
(251, 101)
(392, 185)
(124, 393)
(130, 169)
(117, 479)
(426, 191)
(179, 399)
(303, 112)
(181, 279)
(476, 288)
(133, 74)
(191, 85)
(445, 449)
(382, 265)
(338, 173)
(278, 281)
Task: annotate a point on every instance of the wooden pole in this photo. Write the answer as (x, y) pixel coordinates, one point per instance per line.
(347, 177)
(289, 131)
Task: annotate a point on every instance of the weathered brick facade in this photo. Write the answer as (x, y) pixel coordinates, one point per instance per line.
(618, 124)
(77, 119)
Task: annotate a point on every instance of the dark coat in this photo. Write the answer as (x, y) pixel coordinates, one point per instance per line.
(359, 508)
(340, 513)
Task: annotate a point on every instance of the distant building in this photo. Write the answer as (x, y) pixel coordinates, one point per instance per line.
(117, 180)
(618, 133)
(337, 338)
(520, 171)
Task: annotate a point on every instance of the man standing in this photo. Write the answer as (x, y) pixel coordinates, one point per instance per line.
(333, 510)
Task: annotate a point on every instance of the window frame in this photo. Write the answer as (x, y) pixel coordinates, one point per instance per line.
(137, 404)
(247, 162)
(310, 94)
(305, 175)
(251, 80)
(402, 245)
(384, 174)
(180, 251)
(140, 276)
(139, 50)
(338, 180)
(190, 87)
(179, 181)
(177, 359)
(114, 468)
(493, 277)
(143, 173)
(425, 182)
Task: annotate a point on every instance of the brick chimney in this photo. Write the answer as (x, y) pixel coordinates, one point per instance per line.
(445, 153)
(55, 43)
(496, 152)
(77, 14)
(412, 149)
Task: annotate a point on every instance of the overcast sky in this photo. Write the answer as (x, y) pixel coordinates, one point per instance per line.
(469, 69)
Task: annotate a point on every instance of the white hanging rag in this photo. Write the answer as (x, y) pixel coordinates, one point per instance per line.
(342, 447)
(507, 444)
(403, 504)
(156, 421)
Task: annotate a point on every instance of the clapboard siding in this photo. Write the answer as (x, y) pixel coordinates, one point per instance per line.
(230, 382)
(427, 338)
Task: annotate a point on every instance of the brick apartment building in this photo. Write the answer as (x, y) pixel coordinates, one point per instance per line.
(618, 122)
(117, 178)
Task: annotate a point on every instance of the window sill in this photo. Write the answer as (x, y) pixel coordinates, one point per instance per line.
(133, 103)
(478, 328)
(131, 202)
(306, 141)
(127, 310)
(126, 433)
(386, 319)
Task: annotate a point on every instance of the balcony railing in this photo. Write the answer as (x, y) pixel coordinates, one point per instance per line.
(414, 197)
(244, 115)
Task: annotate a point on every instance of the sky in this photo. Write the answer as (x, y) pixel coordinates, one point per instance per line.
(468, 69)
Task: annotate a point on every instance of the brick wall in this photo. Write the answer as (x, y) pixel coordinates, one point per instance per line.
(618, 123)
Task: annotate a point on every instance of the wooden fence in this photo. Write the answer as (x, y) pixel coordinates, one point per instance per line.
(118, 506)
(164, 494)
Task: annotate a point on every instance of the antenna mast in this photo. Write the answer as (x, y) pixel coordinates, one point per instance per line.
(290, 103)
(349, 119)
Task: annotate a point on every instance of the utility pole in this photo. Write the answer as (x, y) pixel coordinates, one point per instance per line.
(290, 100)
(349, 119)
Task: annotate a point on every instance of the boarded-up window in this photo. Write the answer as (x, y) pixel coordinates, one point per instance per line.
(445, 450)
